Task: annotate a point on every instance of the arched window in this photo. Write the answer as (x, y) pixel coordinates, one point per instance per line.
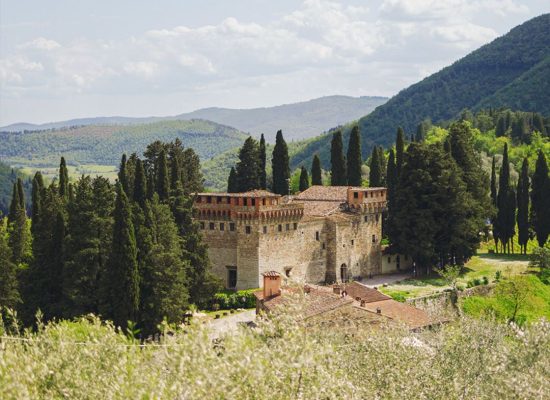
(344, 273)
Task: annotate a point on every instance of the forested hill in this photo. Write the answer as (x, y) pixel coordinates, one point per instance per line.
(104, 144)
(8, 176)
(512, 71)
(298, 120)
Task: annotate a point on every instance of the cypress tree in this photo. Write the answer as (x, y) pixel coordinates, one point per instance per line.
(150, 185)
(191, 172)
(232, 184)
(538, 124)
(382, 162)
(523, 206)
(162, 179)
(494, 202)
(316, 174)
(9, 285)
(21, 194)
(63, 179)
(262, 164)
(175, 174)
(15, 204)
(354, 158)
(505, 223)
(375, 175)
(17, 225)
(56, 298)
(392, 188)
(304, 179)
(399, 150)
(500, 129)
(338, 161)
(247, 167)
(37, 191)
(540, 193)
(280, 165)
(140, 184)
(121, 280)
(122, 176)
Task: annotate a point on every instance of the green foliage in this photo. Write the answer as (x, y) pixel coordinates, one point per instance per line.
(228, 300)
(304, 179)
(247, 168)
(262, 163)
(316, 174)
(354, 160)
(540, 217)
(9, 286)
(375, 172)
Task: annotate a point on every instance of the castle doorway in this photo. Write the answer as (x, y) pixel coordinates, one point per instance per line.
(344, 273)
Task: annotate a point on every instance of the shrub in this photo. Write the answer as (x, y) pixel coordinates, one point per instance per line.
(498, 276)
(228, 300)
(485, 280)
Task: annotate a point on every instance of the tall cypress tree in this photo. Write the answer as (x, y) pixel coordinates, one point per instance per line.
(339, 176)
(375, 175)
(121, 280)
(262, 164)
(63, 179)
(21, 194)
(247, 167)
(232, 184)
(494, 202)
(391, 182)
(540, 193)
(382, 162)
(304, 179)
(523, 206)
(316, 174)
(505, 224)
(399, 150)
(15, 204)
(56, 297)
(140, 184)
(122, 176)
(17, 225)
(36, 194)
(354, 158)
(9, 285)
(280, 165)
(162, 179)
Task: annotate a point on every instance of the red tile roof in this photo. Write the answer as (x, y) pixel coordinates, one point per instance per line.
(366, 293)
(324, 193)
(411, 316)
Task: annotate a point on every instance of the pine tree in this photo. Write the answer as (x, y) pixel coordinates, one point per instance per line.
(140, 185)
(523, 206)
(63, 179)
(280, 166)
(375, 175)
(232, 184)
(399, 150)
(121, 280)
(339, 175)
(540, 193)
(354, 158)
(192, 178)
(304, 179)
(122, 176)
(247, 169)
(9, 285)
(175, 173)
(316, 174)
(202, 284)
(262, 164)
(162, 178)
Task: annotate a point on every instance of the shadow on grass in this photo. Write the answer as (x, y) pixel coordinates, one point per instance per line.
(507, 257)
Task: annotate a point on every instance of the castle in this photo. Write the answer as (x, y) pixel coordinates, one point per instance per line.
(325, 234)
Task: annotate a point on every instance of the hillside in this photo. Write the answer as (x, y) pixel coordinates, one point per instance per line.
(297, 120)
(7, 178)
(104, 144)
(512, 71)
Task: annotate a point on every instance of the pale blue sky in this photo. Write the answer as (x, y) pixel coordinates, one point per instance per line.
(66, 59)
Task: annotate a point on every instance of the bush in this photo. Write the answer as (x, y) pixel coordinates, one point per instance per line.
(228, 300)
(485, 280)
(498, 276)
(399, 297)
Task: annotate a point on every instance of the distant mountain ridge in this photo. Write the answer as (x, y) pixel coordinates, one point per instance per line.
(511, 71)
(297, 120)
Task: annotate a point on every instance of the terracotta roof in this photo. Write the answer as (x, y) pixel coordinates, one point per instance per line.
(271, 273)
(317, 301)
(367, 294)
(320, 208)
(411, 316)
(251, 193)
(324, 193)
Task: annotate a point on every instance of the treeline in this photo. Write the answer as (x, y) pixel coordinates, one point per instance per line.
(127, 252)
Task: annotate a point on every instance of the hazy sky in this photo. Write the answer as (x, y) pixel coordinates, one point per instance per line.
(65, 59)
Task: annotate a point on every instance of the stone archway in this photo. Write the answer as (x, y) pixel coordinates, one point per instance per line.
(344, 272)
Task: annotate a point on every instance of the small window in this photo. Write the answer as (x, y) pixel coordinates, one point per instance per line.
(232, 226)
(366, 218)
(352, 242)
(222, 226)
(265, 229)
(211, 226)
(202, 225)
(263, 202)
(317, 236)
(355, 195)
(245, 201)
(280, 228)
(295, 226)
(389, 260)
(374, 238)
(253, 202)
(209, 199)
(287, 272)
(377, 218)
(287, 227)
(248, 229)
(324, 246)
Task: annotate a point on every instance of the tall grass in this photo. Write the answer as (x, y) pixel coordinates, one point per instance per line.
(281, 359)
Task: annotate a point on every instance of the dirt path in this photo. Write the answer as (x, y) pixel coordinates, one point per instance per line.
(229, 324)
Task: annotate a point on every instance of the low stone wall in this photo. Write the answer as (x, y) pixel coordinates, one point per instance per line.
(441, 304)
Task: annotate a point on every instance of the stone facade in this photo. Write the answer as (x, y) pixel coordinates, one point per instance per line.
(322, 235)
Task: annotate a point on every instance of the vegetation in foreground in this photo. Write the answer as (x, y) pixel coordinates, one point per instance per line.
(281, 359)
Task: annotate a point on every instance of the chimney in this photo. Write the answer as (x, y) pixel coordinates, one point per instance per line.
(378, 310)
(336, 290)
(363, 303)
(272, 284)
